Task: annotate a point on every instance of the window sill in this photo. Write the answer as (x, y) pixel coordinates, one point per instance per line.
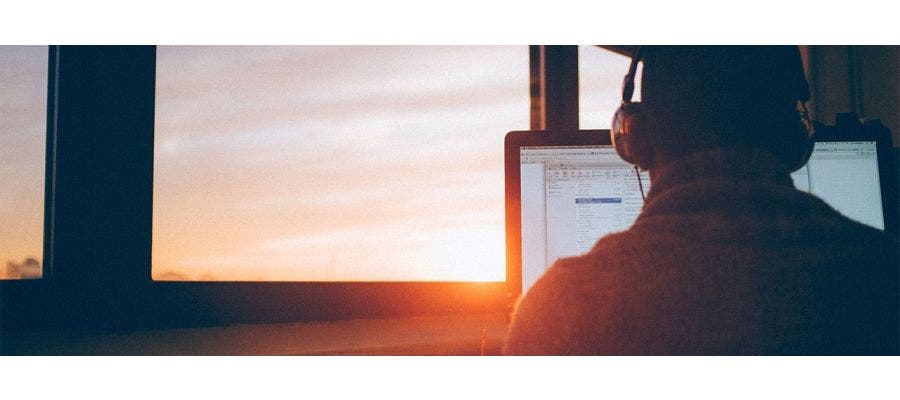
(443, 335)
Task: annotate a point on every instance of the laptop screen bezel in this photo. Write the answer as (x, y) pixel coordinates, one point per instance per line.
(513, 144)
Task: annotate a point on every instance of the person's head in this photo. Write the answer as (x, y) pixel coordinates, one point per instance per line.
(701, 97)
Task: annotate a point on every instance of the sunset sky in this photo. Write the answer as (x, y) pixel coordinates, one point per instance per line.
(312, 163)
(23, 123)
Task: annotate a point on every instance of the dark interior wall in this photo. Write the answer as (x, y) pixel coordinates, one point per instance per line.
(860, 79)
(880, 85)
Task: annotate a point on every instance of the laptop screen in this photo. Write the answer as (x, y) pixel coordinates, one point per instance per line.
(570, 197)
(845, 175)
(573, 195)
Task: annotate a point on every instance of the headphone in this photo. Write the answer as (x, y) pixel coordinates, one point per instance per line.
(631, 141)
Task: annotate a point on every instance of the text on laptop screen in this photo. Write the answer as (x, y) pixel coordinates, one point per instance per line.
(570, 197)
(845, 175)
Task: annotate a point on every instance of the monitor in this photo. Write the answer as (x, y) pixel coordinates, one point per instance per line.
(567, 170)
(570, 197)
(845, 175)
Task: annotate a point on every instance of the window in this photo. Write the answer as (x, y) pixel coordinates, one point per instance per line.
(23, 121)
(600, 74)
(338, 163)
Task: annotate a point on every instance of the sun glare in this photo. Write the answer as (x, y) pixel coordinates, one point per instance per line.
(469, 254)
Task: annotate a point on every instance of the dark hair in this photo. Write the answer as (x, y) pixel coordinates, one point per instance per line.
(699, 97)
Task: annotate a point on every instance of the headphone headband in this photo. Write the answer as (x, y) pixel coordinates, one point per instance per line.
(628, 81)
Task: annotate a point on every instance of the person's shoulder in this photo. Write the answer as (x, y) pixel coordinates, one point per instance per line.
(565, 277)
(832, 227)
(554, 315)
(585, 272)
(866, 243)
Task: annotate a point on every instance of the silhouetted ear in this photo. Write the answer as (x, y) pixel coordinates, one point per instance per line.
(801, 143)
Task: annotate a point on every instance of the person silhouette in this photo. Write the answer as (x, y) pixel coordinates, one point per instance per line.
(727, 257)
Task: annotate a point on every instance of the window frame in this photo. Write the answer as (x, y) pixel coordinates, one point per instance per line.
(98, 216)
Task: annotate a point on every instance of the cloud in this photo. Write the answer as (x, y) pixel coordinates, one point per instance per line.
(221, 90)
(29, 268)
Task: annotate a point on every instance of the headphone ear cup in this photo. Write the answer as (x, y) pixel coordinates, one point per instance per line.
(804, 148)
(629, 137)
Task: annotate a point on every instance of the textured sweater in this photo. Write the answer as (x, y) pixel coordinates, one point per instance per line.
(726, 257)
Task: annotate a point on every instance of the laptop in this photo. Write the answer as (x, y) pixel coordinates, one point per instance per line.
(567, 189)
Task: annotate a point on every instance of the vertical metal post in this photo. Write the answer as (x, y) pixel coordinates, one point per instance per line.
(554, 87)
(99, 178)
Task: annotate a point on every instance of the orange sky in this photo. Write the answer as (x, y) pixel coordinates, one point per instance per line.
(23, 121)
(313, 163)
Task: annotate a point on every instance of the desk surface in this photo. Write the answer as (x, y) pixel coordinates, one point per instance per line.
(441, 335)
